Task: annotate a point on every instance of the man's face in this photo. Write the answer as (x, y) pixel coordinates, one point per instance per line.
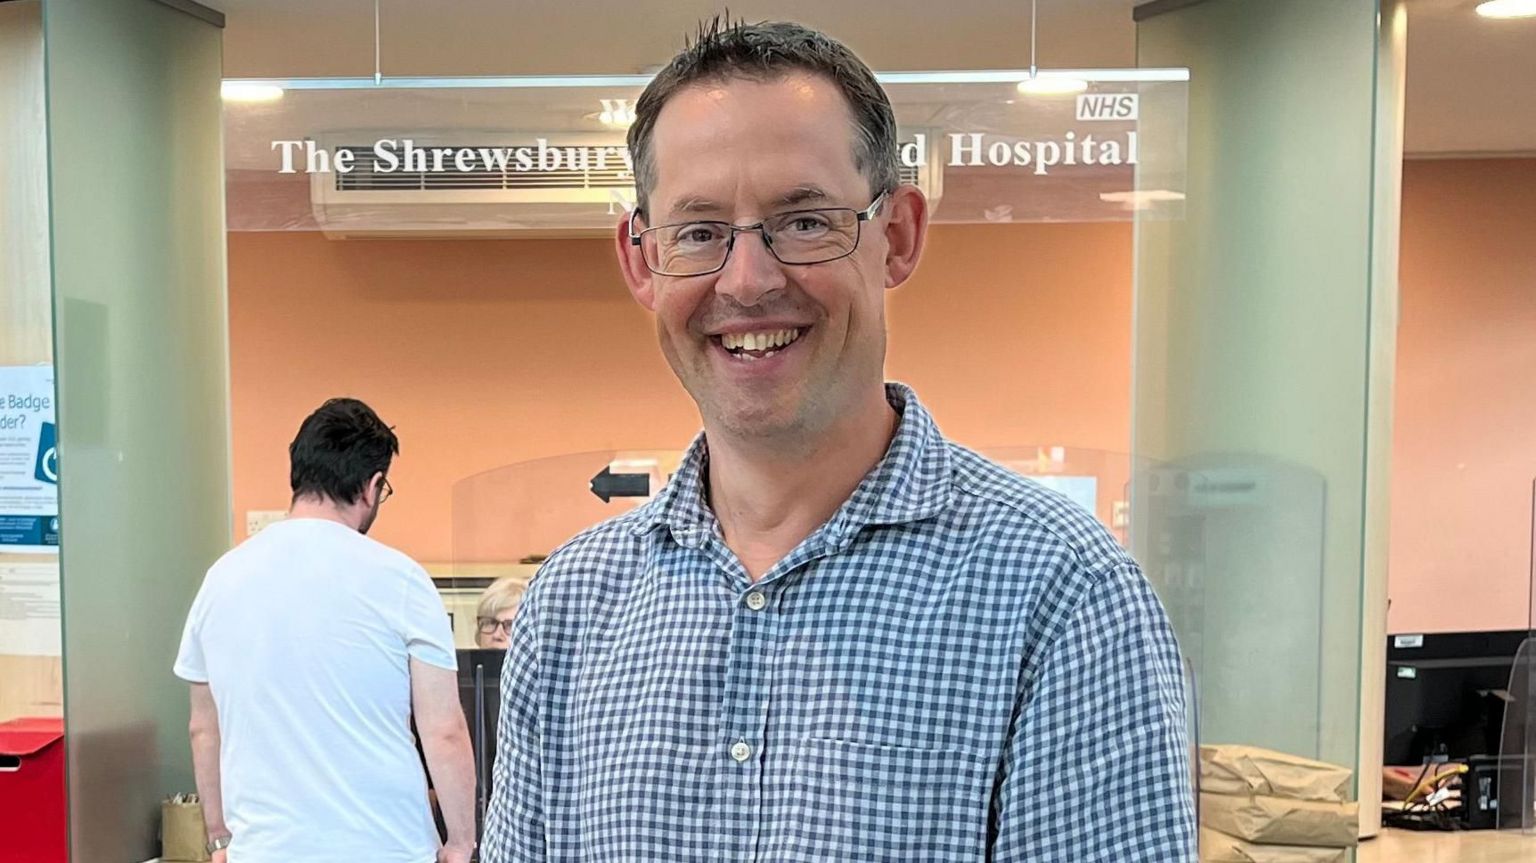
(739, 152)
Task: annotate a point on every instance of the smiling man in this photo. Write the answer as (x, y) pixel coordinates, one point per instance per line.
(834, 635)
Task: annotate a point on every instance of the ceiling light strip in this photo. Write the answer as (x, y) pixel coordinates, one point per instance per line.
(989, 76)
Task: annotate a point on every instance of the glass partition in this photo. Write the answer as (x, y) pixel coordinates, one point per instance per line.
(1234, 546)
(524, 511)
(521, 512)
(1516, 773)
(1517, 748)
(546, 156)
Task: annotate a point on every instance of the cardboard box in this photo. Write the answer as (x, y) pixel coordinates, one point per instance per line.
(1218, 847)
(32, 798)
(1246, 770)
(1276, 821)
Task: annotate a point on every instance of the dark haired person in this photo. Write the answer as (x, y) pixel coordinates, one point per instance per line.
(310, 648)
(834, 635)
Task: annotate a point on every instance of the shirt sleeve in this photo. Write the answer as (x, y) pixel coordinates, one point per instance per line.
(1098, 765)
(514, 821)
(425, 625)
(191, 664)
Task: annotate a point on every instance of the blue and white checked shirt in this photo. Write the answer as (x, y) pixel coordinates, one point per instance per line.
(960, 665)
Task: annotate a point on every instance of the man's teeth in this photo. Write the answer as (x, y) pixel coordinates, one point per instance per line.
(764, 341)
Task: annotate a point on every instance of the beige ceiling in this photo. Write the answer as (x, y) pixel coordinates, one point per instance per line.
(1472, 82)
(508, 37)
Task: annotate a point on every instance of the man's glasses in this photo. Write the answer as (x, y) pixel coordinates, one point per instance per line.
(489, 625)
(386, 491)
(797, 238)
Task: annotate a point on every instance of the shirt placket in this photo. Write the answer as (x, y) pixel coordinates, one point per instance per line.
(744, 707)
(756, 628)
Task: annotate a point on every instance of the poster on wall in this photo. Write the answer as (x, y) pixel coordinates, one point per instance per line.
(29, 609)
(29, 462)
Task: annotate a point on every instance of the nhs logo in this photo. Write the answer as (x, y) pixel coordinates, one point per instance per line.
(1107, 106)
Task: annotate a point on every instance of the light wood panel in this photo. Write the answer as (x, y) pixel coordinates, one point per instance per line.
(1473, 846)
(26, 317)
(29, 685)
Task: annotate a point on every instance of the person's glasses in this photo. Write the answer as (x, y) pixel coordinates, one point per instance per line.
(489, 625)
(797, 238)
(386, 491)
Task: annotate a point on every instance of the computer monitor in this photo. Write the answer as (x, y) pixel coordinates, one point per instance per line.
(1446, 694)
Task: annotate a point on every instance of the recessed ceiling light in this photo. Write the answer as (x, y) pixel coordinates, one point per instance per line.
(1507, 9)
(242, 91)
(1141, 199)
(1050, 85)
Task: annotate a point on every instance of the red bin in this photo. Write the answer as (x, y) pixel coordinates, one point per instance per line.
(32, 801)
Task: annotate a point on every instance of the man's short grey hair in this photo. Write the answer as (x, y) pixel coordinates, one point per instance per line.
(767, 51)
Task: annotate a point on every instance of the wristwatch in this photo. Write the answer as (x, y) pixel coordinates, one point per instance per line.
(216, 845)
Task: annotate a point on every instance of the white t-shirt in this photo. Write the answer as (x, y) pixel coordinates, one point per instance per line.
(304, 634)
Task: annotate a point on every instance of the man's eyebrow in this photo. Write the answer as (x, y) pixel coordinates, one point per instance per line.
(693, 206)
(802, 195)
(796, 197)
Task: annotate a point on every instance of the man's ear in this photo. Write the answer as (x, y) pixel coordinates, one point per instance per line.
(637, 275)
(906, 233)
(372, 489)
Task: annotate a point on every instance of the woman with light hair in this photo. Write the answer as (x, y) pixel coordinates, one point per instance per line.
(497, 610)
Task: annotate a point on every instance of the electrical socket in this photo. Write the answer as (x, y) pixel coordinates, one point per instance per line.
(256, 519)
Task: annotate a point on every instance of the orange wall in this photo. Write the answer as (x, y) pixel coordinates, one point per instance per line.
(1464, 447)
(486, 353)
(489, 352)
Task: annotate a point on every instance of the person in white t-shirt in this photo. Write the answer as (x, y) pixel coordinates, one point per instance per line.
(310, 648)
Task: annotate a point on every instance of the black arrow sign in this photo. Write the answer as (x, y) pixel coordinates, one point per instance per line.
(608, 485)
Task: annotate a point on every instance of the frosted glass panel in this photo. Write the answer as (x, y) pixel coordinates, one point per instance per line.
(138, 257)
(1263, 355)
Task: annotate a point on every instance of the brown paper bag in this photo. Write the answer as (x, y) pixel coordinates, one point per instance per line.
(1218, 847)
(1244, 770)
(183, 838)
(1275, 821)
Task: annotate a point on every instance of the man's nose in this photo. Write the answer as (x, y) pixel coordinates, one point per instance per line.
(751, 271)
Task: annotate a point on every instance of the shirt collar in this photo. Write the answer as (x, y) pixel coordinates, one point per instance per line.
(911, 483)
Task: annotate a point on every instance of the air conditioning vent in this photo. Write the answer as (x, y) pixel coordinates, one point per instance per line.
(584, 197)
(598, 168)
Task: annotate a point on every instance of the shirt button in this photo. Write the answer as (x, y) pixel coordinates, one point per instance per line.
(741, 751)
(756, 601)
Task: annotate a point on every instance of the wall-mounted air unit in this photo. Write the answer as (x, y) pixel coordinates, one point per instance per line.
(466, 184)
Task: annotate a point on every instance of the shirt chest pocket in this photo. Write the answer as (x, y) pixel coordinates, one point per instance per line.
(864, 802)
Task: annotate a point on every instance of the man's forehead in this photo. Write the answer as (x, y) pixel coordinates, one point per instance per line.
(794, 196)
(782, 142)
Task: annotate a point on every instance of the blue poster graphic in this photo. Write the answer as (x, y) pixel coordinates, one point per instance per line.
(47, 468)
